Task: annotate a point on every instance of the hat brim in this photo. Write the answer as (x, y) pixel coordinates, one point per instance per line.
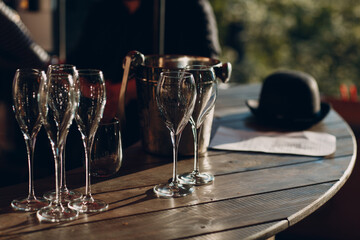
(290, 123)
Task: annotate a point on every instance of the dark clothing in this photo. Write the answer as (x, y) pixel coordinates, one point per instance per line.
(110, 32)
(17, 49)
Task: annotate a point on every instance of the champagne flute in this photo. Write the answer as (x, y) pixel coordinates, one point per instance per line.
(25, 92)
(175, 96)
(90, 111)
(57, 109)
(66, 195)
(206, 87)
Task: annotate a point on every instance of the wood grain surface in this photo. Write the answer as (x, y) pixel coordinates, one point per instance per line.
(254, 195)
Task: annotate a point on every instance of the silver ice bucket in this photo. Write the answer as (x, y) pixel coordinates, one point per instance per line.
(146, 70)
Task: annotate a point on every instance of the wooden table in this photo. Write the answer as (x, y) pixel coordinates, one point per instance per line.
(254, 195)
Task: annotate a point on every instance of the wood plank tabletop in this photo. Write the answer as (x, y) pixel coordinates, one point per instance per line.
(254, 195)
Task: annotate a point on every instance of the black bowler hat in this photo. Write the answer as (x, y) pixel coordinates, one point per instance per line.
(289, 99)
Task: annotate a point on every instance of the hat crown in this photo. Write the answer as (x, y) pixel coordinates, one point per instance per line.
(289, 94)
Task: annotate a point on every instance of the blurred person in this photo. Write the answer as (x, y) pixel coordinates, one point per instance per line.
(115, 27)
(17, 50)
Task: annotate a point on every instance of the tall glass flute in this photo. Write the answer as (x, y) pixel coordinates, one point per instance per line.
(89, 113)
(175, 96)
(66, 195)
(25, 91)
(57, 109)
(206, 87)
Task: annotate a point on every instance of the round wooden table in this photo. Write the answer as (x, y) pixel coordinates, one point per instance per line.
(254, 195)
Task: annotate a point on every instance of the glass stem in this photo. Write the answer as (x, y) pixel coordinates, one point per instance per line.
(30, 146)
(63, 187)
(57, 151)
(87, 147)
(196, 145)
(196, 149)
(196, 133)
(175, 139)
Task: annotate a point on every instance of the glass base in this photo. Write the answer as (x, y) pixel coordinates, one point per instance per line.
(56, 214)
(196, 178)
(65, 196)
(88, 205)
(173, 190)
(29, 205)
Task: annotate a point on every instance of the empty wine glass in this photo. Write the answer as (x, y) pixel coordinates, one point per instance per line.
(57, 109)
(175, 96)
(66, 195)
(106, 157)
(25, 92)
(89, 113)
(206, 88)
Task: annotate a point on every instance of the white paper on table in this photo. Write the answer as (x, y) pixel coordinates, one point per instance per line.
(300, 143)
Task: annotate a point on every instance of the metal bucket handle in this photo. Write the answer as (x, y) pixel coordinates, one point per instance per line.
(131, 61)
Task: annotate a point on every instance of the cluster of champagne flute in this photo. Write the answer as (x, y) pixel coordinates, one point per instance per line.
(52, 100)
(185, 96)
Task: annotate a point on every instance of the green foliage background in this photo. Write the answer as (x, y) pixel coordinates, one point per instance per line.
(320, 37)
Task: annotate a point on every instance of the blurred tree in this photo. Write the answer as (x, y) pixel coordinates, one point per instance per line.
(320, 37)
